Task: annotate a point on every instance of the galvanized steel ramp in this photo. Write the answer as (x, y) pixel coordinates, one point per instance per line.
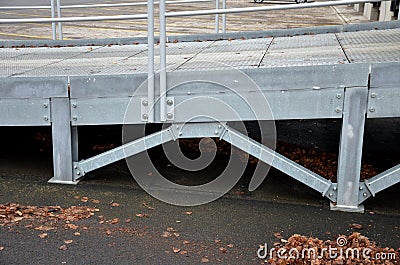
(348, 75)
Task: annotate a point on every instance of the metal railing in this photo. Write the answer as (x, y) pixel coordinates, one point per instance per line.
(59, 19)
(164, 15)
(163, 33)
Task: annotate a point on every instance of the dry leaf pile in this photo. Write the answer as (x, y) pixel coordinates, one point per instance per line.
(13, 213)
(314, 159)
(353, 242)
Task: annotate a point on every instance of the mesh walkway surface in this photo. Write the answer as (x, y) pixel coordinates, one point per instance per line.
(321, 49)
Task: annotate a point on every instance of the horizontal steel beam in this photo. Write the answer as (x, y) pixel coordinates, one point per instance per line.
(33, 87)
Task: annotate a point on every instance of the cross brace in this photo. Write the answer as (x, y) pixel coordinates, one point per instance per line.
(213, 129)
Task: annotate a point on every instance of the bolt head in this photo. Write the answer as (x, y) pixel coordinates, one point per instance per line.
(334, 188)
(145, 103)
(365, 194)
(46, 118)
(170, 102)
(45, 105)
(338, 96)
(373, 95)
(338, 110)
(145, 116)
(372, 109)
(74, 105)
(170, 115)
(75, 118)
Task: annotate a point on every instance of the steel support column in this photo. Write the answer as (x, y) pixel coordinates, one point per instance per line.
(62, 141)
(350, 151)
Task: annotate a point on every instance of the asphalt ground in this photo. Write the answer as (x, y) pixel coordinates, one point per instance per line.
(226, 231)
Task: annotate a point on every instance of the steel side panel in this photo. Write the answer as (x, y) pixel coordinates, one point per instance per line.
(293, 104)
(104, 111)
(105, 85)
(33, 87)
(384, 95)
(278, 78)
(24, 112)
(385, 75)
(384, 102)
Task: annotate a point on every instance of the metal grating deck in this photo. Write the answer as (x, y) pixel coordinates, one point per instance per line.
(321, 49)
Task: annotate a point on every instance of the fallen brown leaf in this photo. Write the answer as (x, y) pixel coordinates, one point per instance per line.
(114, 221)
(222, 249)
(356, 226)
(44, 228)
(217, 241)
(185, 242)
(141, 215)
(230, 245)
(84, 199)
(95, 201)
(115, 204)
(43, 235)
(188, 213)
(183, 252)
(204, 260)
(148, 206)
(176, 250)
(1, 248)
(278, 235)
(63, 247)
(127, 220)
(68, 241)
(77, 234)
(72, 226)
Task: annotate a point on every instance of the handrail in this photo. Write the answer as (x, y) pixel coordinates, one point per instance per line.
(70, 19)
(53, 19)
(133, 4)
(101, 5)
(266, 8)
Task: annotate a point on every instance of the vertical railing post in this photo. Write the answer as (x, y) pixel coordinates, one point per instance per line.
(163, 62)
(223, 17)
(53, 24)
(216, 17)
(150, 59)
(60, 31)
